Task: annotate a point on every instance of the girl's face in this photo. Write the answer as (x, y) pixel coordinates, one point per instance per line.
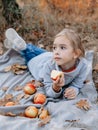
(63, 52)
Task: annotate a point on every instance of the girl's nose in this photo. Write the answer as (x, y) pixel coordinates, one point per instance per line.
(56, 51)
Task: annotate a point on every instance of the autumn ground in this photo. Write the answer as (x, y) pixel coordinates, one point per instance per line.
(39, 25)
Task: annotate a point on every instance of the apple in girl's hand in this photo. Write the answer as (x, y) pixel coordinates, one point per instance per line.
(55, 74)
(29, 88)
(39, 98)
(31, 112)
(10, 103)
(43, 113)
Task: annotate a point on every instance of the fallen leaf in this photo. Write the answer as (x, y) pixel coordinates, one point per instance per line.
(21, 114)
(18, 66)
(44, 121)
(8, 96)
(18, 72)
(72, 120)
(5, 88)
(7, 69)
(2, 102)
(19, 97)
(18, 69)
(26, 96)
(10, 114)
(17, 88)
(83, 104)
(37, 83)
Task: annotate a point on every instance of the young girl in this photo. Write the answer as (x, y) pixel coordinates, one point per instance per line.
(67, 56)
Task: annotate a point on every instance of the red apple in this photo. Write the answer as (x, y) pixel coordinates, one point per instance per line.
(29, 88)
(10, 104)
(43, 113)
(39, 98)
(55, 74)
(31, 112)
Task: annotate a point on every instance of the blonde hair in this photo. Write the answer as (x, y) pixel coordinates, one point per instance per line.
(74, 39)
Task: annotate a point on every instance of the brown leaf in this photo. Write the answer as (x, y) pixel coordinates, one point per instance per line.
(37, 83)
(19, 97)
(18, 69)
(5, 88)
(18, 66)
(10, 114)
(8, 96)
(2, 102)
(72, 120)
(18, 72)
(26, 96)
(44, 121)
(7, 69)
(17, 88)
(83, 104)
(21, 114)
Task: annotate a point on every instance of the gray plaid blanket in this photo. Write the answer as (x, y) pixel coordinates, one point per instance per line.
(65, 115)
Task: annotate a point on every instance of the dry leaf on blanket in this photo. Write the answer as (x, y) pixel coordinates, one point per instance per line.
(19, 97)
(72, 120)
(43, 113)
(16, 68)
(26, 96)
(10, 114)
(83, 104)
(8, 96)
(44, 121)
(21, 114)
(7, 69)
(18, 88)
(2, 102)
(5, 88)
(12, 103)
(37, 83)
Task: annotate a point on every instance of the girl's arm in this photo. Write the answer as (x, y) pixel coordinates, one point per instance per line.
(73, 90)
(48, 83)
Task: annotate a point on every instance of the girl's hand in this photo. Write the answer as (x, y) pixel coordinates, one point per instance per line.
(58, 83)
(70, 93)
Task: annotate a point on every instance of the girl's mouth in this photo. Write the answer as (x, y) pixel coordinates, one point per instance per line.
(57, 58)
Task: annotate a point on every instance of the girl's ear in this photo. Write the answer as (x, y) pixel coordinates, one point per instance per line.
(77, 53)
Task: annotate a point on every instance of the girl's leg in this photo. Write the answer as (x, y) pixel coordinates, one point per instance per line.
(31, 51)
(13, 40)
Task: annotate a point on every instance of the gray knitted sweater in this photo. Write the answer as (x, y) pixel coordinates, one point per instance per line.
(42, 65)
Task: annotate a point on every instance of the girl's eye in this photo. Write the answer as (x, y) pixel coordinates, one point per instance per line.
(54, 47)
(62, 47)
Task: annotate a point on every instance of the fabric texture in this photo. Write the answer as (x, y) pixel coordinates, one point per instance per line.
(44, 64)
(31, 51)
(61, 110)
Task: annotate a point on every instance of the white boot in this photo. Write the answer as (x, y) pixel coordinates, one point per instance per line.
(13, 40)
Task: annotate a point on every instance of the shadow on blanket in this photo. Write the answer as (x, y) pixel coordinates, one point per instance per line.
(64, 113)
